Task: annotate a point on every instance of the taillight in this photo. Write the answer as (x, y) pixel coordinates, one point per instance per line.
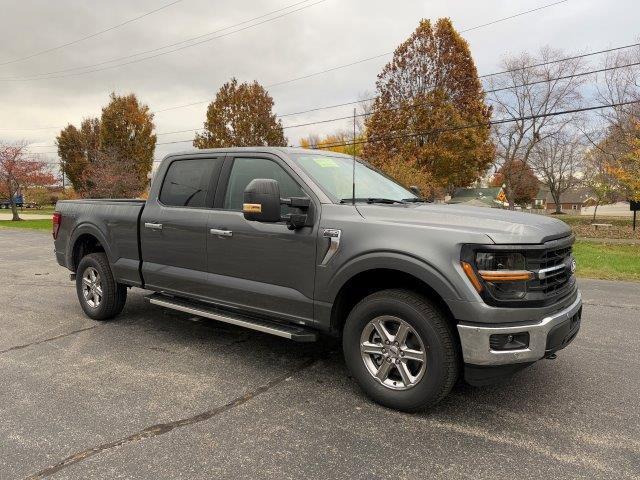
(55, 224)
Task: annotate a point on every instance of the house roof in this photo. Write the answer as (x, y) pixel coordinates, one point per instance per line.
(576, 195)
(542, 194)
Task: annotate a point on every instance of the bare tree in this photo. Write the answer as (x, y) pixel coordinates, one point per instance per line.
(618, 83)
(556, 160)
(531, 88)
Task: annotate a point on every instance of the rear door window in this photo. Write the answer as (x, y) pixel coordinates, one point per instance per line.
(188, 182)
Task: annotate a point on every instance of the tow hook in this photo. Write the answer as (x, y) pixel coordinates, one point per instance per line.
(551, 356)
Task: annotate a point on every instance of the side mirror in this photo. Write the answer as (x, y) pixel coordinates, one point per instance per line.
(262, 201)
(262, 204)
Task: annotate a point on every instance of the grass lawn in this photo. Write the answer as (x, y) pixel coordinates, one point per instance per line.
(581, 225)
(28, 224)
(46, 210)
(609, 262)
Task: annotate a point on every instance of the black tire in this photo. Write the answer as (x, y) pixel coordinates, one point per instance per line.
(114, 295)
(442, 364)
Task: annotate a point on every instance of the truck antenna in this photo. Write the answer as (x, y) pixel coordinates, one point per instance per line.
(353, 173)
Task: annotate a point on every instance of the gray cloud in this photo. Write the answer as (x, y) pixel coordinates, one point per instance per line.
(331, 33)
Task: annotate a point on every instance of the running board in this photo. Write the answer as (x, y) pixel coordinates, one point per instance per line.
(292, 332)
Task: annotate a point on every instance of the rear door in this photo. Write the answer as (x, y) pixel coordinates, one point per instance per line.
(263, 267)
(173, 230)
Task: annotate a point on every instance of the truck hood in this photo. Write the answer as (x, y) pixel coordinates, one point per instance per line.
(501, 226)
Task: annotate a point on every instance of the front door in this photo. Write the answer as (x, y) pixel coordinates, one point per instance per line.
(264, 267)
(173, 230)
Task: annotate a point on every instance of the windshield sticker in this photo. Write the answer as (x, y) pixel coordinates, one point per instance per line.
(326, 162)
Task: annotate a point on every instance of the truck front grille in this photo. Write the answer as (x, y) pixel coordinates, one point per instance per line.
(553, 271)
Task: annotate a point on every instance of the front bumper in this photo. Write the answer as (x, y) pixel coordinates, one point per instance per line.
(550, 334)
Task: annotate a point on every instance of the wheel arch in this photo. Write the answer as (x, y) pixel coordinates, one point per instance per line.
(368, 275)
(86, 239)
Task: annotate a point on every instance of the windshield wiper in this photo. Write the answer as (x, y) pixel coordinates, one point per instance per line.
(415, 200)
(372, 200)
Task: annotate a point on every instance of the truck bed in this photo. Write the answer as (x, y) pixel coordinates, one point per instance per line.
(114, 222)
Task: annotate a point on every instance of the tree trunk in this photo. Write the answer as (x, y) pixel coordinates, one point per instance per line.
(595, 210)
(556, 199)
(14, 210)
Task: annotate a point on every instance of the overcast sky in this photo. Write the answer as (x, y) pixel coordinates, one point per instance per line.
(319, 37)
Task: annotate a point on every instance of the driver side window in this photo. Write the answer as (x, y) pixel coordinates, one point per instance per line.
(244, 170)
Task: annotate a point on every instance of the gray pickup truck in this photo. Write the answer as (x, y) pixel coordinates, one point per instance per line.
(275, 240)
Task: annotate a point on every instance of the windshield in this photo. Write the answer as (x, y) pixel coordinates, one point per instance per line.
(334, 175)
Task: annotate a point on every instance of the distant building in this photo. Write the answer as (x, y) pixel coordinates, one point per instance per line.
(540, 201)
(571, 202)
(493, 197)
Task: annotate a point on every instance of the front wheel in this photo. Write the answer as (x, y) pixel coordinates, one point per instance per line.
(401, 350)
(100, 296)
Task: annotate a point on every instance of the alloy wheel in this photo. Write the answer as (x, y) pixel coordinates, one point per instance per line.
(393, 352)
(92, 287)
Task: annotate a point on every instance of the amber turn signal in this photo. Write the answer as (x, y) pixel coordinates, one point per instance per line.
(506, 275)
(252, 208)
(471, 274)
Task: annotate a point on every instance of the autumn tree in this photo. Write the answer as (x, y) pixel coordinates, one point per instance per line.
(241, 115)
(340, 141)
(530, 88)
(620, 147)
(523, 182)
(109, 176)
(427, 98)
(597, 178)
(19, 171)
(77, 148)
(126, 133)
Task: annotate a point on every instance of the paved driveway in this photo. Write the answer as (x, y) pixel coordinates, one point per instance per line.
(157, 394)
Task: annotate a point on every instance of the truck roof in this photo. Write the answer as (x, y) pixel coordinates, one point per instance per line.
(262, 149)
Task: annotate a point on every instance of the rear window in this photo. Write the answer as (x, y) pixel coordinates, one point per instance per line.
(187, 182)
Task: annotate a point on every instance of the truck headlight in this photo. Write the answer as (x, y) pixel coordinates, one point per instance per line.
(503, 274)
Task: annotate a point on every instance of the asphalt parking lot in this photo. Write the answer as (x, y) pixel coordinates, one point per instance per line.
(157, 394)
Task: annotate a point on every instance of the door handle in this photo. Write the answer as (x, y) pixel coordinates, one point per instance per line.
(153, 226)
(221, 233)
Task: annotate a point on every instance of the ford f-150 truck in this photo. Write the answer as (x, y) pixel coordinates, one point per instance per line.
(298, 243)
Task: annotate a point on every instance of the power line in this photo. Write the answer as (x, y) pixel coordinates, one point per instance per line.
(363, 60)
(491, 122)
(495, 90)
(487, 75)
(481, 125)
(462, 127)
(342, 66)
(416, 105)
(353, 102)
(52, 75)
(86, 37)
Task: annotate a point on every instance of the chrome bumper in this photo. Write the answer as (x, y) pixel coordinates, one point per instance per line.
(475, 339)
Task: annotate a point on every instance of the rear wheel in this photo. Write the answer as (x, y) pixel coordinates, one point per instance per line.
(100, 296)
(401, 350)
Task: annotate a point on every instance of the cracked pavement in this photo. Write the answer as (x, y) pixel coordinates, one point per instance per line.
(159, 394)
